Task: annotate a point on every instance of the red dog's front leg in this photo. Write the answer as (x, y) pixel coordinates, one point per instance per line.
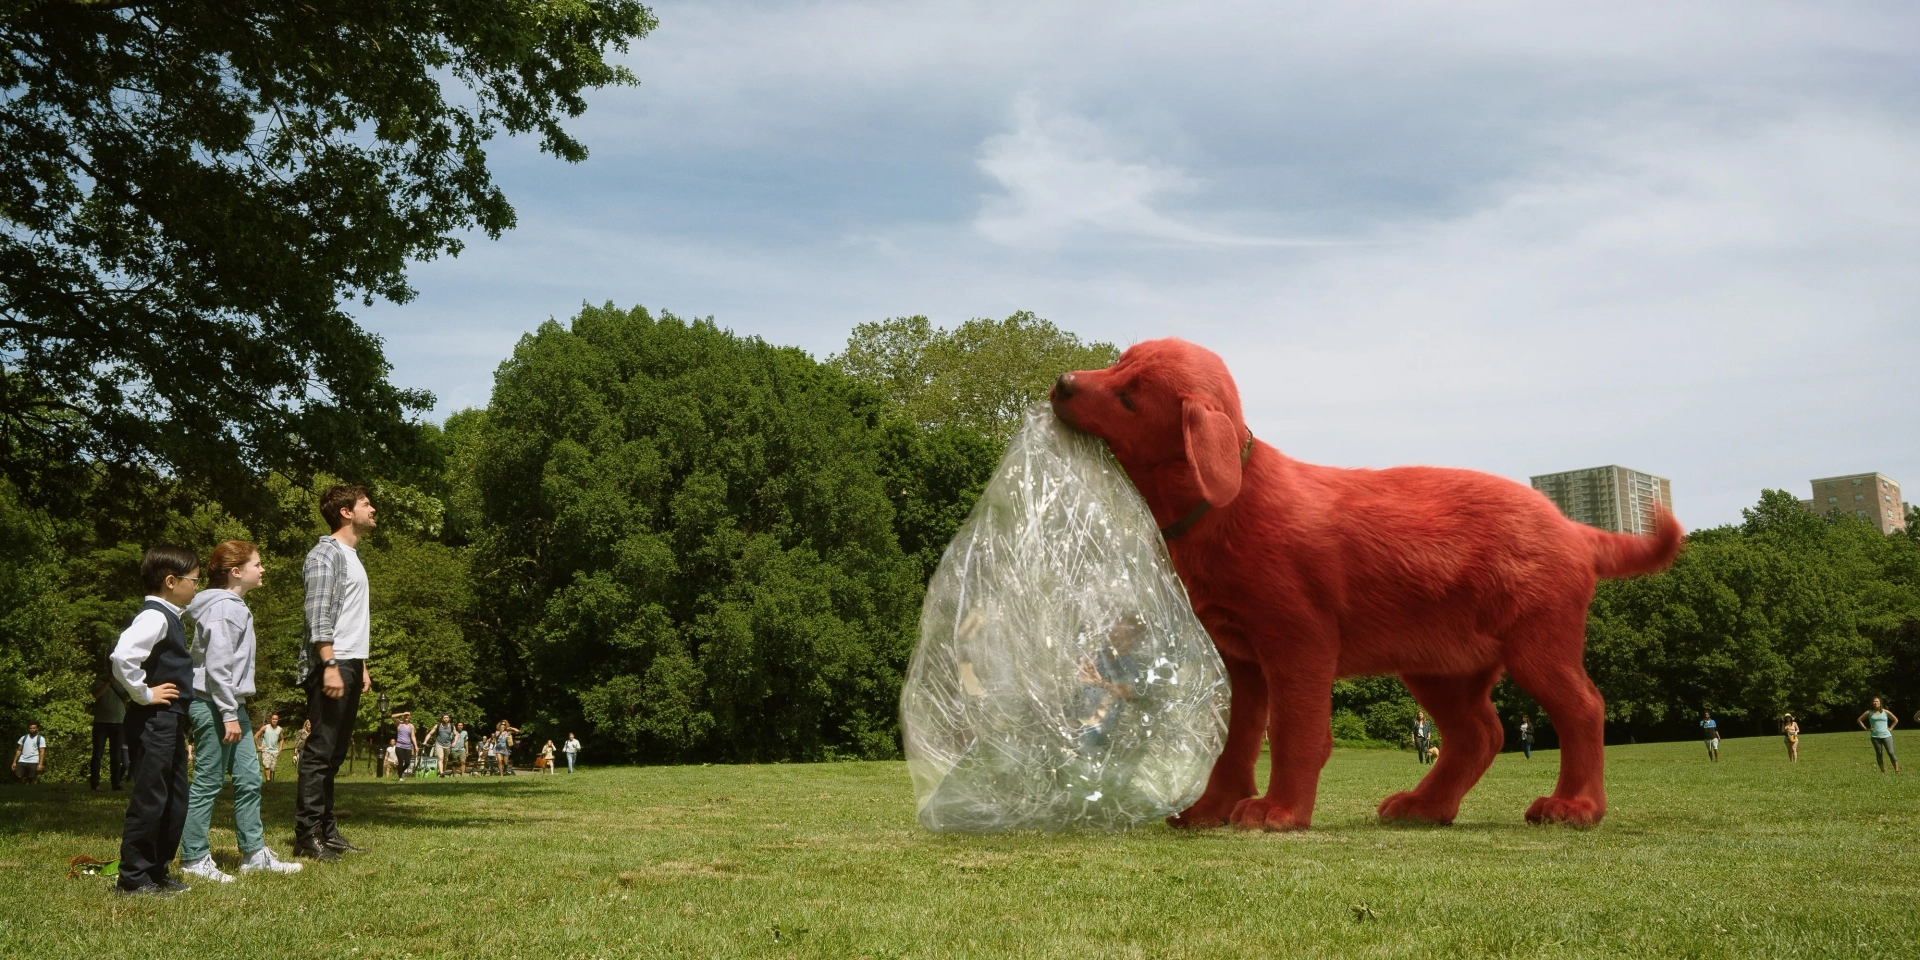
(1300, 739)
(1232, 779)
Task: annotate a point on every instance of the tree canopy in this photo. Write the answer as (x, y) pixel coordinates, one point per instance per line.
(980, 376)
(682, 539)
(193, 190)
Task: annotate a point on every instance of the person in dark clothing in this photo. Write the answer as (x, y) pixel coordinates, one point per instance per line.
(154, 665)
(1422, 734)
(109, 714)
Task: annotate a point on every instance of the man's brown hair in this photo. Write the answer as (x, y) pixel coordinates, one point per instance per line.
(337, 498)
(166, 561)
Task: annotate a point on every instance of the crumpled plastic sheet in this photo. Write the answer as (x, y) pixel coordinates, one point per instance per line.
(1061, 680)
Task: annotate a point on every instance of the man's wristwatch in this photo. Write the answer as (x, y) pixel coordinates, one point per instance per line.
(329, 662)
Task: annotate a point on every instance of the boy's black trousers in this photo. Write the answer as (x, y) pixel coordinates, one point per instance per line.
(157, 805)
(326, 749)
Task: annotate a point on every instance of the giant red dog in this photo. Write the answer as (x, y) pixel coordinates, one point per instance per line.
(1305, 573)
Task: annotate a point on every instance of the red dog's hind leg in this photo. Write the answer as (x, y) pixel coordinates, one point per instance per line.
(1300, 739)
(1470, 738)
(1548, 666)
(1232, 779)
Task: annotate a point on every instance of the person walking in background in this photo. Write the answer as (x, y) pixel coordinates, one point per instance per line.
(440, 738)
(1422, 735)
(392, 755)
(403, 744)
(572, 750)
(30, 755)
(1879, 722)
(1710, 729)
(546, 756)
(1791, 731)
(266, 741)
(503, 746)
(109, 712)
(486, 756)
(459, 749)
(153, 664)
(223, 661)
(1526, 736)
(333, 665)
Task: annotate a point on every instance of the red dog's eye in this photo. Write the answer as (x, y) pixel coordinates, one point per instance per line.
(1125, 400)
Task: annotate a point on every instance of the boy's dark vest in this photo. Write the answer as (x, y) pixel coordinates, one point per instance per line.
(170, 661)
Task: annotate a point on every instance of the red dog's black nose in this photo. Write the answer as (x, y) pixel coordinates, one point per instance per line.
(1062, 388)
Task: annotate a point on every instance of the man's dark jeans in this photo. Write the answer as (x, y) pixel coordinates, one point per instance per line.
(326, 749)
(107, 736)
(157, 804)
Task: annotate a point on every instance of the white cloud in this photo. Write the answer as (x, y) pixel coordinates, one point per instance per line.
(1679, 238)
(1063, 175)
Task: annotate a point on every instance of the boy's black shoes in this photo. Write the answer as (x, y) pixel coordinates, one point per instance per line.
(339, 844)
(165, 888)
(312, 849)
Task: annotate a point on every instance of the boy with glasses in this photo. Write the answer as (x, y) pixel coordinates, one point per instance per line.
(154, 665)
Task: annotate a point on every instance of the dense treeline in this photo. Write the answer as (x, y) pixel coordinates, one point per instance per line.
(688, 545)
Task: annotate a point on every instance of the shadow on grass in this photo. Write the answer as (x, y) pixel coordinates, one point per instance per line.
(73, 808)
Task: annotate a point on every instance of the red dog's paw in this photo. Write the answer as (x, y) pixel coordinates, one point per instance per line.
(1572, 811)
(1205, 814)
(1260, 813)
(1411, 807)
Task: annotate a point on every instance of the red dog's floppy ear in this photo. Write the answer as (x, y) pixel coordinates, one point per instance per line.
(1213, 448)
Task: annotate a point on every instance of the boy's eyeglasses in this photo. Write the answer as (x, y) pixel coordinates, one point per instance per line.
(194, 580)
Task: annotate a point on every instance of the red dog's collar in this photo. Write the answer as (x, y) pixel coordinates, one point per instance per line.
(1200, 509)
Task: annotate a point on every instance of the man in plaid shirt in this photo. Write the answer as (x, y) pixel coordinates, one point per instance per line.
(333, 666)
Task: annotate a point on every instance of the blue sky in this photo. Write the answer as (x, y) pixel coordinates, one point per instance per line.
(1519, 238)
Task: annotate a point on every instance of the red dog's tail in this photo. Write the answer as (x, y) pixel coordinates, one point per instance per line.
(1624, 555)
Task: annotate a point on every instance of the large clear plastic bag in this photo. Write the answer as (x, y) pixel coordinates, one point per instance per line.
(1062, 681)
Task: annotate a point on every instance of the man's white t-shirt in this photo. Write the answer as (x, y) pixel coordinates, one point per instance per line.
(353, 626)
(30, 747)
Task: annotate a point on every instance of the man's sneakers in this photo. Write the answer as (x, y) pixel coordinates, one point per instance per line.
(263, 860)
(206, 869)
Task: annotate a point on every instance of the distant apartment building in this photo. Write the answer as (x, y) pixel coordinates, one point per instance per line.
(1870, 496)
(1612, 497)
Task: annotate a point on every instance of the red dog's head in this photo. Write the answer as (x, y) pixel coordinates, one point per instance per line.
(1171, 413)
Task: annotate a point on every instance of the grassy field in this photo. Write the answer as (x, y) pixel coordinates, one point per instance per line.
(1752, 857)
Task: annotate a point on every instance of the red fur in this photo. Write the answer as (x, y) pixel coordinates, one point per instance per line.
(1304, 574)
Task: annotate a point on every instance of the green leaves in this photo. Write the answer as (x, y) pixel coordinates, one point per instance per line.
(194, 190)
(683, 539)
(1786, 612)
(981, 376)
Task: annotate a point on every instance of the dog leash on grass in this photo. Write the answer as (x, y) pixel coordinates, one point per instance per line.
(1200, 509)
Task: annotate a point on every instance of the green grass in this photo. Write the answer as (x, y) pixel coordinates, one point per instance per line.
(1748, 858)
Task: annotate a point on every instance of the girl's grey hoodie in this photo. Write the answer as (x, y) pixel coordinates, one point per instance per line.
(222, 650)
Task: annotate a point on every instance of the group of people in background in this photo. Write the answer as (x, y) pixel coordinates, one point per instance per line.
(1878, 721)
(1426, 752)
(452, 748)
